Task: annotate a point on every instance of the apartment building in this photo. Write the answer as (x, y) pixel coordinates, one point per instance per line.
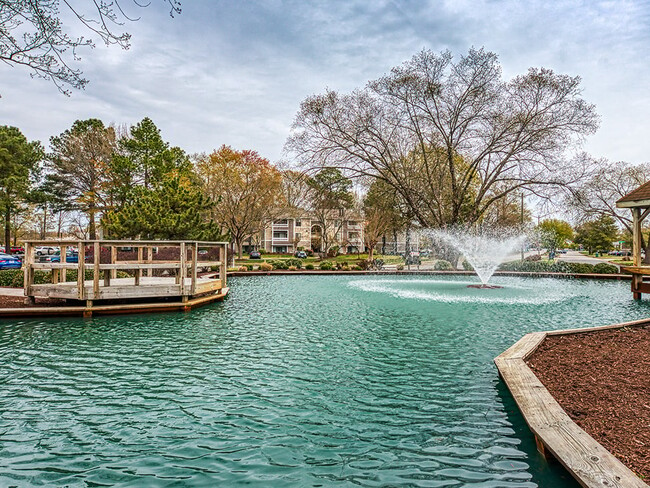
(286, 235)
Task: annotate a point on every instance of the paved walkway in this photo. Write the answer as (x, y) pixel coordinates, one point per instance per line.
(576, 257)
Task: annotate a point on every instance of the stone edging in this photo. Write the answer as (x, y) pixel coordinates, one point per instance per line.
(587, 460)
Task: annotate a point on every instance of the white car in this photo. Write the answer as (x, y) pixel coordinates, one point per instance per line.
(41, 250)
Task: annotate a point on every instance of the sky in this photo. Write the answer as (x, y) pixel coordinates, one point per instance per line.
(235, 72)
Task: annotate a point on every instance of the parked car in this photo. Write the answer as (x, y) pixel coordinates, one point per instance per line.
(255, 255)
(301, 254)
(46, 250)
(70, 257)
(413, 257)
(8, 261)
(13, 250)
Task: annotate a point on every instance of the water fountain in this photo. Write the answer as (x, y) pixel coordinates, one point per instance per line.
(484, 250)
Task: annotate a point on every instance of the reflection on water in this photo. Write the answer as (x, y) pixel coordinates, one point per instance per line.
(292, 381)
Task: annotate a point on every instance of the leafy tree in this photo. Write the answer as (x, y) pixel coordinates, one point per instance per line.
(598, 234)
(175, 209)
(381, 212)
(555, 233)
(247, 188)
(33, 35)
(79, 165)
(495, 137)
(19, 160)
(332, 201)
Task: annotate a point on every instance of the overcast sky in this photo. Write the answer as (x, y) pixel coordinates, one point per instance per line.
(235, 72)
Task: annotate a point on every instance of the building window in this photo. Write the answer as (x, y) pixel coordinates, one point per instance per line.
(281, 222)
(298, 222)
(280, 249)
(280, 234)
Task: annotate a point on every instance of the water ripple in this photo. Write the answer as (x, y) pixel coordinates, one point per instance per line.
(293, 381)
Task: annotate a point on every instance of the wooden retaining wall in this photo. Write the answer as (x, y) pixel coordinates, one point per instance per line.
(556, 434)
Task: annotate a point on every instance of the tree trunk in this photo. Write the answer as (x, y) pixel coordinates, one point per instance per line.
(240, 246)
(91, 224)
(371, 250)
(8, 229)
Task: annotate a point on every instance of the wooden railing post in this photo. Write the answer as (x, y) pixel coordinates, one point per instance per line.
(113, 261)
(64, 259)
(182, 273)
(224, 265)
(28, 271)
(81, 271)
(138, 272)
(195, 264)
(149, 272)
(96, 257)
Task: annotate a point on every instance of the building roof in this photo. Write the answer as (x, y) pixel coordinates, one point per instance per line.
(636, 198)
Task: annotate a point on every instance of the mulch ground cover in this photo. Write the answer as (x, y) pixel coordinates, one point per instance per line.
(602, 380)
(19, 302)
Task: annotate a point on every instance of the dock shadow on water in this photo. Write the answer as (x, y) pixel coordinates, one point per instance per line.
(293, 381)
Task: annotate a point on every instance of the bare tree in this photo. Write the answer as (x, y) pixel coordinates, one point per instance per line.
(33, 35)
(450, 138)
(596, 197)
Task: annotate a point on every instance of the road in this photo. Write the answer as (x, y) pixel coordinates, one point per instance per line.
(576, 257)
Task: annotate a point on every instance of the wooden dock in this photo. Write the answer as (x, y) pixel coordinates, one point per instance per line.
(556, 435)
(125, 271)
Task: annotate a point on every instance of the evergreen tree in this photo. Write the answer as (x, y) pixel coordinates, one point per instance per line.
(175, 209)
(18, 163)
(598, 234)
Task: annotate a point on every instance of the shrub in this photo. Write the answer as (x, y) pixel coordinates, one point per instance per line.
(250, 267)
(309, 252)
(266, 267)
(467, 266)
(294, 262)
(262, 251)
(363, 264)
(604, 268)
(309, 266)
(345, 268)
(442, 265)
(243, 268)
(11, 277)
(533, 257)
(357, 268)
(326, 265)
(278, 263)
(400, 267)
(293, 268)
(333, 252)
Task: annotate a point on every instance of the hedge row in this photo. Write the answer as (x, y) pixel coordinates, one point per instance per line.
(14, 277)
(558, 267)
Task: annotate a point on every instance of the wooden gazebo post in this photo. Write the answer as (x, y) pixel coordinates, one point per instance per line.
(638, 201)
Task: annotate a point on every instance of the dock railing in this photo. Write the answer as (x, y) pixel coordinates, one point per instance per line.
(176, 263)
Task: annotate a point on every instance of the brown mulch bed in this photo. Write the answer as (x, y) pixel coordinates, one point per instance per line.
(602, 380)
(19, 302)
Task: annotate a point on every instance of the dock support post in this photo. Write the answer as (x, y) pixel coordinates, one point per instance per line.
(138, 272)
(81, 271)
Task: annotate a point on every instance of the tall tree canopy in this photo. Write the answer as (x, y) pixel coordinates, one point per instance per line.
(450, 137)
(78, 167)
(554, 233)
(246, 186)
(332, 201)
(598, 234)
(19, 160)
(33, 35)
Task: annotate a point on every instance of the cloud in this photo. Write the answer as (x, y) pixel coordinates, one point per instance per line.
(236, 72)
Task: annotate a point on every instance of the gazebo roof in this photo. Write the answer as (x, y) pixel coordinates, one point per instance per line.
(639, 198)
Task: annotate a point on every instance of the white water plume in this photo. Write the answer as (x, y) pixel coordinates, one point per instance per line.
(485, 251)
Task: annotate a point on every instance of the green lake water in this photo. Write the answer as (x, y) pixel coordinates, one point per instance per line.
(292, 381)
